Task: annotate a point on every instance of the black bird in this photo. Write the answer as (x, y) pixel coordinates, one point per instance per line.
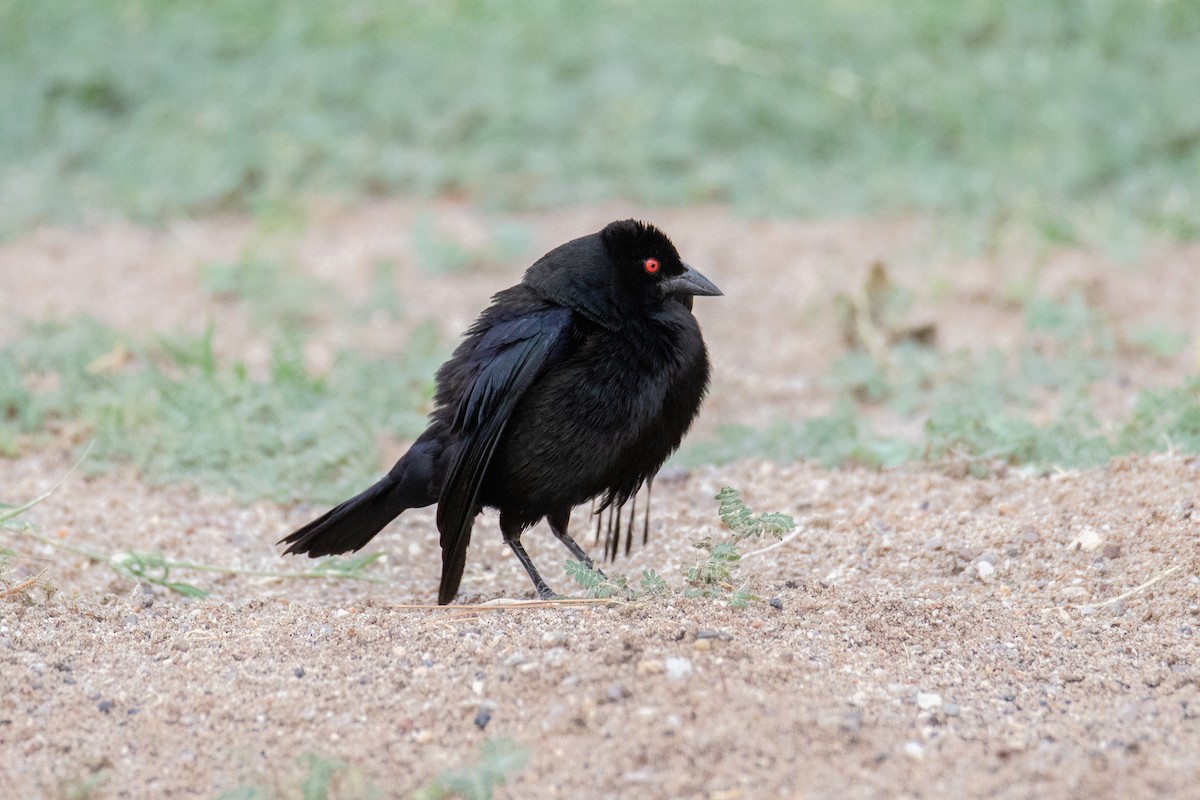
(574, 385)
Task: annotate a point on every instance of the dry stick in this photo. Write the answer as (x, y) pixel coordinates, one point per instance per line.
(13, 512)
(1134, 590)
(799, 530)
(22, 586)
(118, 560)
(509, 604)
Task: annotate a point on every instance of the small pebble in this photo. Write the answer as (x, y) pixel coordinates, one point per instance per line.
(1087, 539)
(616, 692)
(482, 717)
(776, 603)
(298, 672)
(554, 639)
(984, 570)
(678, 668)
(650, 666)
(515, 660)
(1111, 550)
(928, 701)
(1074, 593)
(914, 750)
(106, 706)
(951, 709)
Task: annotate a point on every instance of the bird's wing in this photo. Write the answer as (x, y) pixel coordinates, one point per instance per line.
(511, 354)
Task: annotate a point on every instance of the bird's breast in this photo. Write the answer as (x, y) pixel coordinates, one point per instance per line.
(602, 418)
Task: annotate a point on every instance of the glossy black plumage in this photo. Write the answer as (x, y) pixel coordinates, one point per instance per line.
(574, 385)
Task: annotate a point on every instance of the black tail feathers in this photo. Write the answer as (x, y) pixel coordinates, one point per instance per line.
(411, 483)
(349, 526)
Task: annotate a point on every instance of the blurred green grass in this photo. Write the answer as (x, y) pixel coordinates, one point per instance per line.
(171, 409)
(1079, 118)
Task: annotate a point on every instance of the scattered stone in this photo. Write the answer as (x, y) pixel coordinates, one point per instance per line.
(106, 706)
(616, 692)
(702, 644)
(914, 750)
(928, 701)
(1087, 539)
(678, 668)
(298, 672)
(984, 570)
(711, 634)
(482, 717)
(143, 595)
(1111, 550)
(776, 603)
(1074, 594)
(951, 709)
(650, 666)
(515, 660)
(554, 639)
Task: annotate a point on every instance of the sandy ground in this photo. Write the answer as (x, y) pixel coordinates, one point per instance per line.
(1024, 635)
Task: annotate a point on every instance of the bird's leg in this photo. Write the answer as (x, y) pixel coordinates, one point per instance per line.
(629, 527)
(597, 516)
(559, 521)
(646, 524)
(512, 537)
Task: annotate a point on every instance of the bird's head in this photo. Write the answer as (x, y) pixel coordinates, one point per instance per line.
(630, 267)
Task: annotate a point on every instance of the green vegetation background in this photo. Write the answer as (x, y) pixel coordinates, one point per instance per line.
(1079, 120)
(1078, 116)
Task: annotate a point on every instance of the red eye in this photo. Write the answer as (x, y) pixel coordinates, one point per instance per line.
(651, 265)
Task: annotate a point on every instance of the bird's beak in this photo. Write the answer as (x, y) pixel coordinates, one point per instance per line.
(690, 282)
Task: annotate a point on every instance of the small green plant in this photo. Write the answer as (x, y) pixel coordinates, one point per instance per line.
(598, 585)
(744, 524)
(716, 572)
(653, 584)
(499, 760)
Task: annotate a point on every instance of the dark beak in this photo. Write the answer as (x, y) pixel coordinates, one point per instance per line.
(690, 282)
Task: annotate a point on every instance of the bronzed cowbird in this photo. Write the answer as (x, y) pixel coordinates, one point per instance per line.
(574, 385)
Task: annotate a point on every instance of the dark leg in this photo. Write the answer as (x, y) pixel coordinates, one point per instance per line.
(512, 537)
(558, 526)
(646, 525)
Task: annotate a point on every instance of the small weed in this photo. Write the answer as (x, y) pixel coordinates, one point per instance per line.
(744, 524)
(499, 760)
(716, 572)
(652, 583)
(596, 584)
